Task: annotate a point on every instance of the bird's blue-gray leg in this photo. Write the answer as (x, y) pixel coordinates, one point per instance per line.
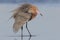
(28, 31)
(22, 33)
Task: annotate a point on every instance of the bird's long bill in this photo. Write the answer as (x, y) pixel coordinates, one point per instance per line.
(41, 14)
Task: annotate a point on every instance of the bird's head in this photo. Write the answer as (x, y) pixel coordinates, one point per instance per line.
(28, 8)
(34, 10)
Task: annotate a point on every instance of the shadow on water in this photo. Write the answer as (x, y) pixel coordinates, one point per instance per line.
(22, 37)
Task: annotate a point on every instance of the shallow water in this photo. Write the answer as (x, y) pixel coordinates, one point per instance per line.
(46, 27)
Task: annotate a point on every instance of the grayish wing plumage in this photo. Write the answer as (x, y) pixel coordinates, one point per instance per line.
(20, 20)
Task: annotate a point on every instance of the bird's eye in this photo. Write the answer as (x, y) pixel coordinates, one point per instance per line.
(26, 11)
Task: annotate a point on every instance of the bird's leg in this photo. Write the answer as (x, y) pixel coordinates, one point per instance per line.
(28, 31)
(22, 33)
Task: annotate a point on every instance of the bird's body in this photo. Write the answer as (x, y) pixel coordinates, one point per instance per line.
(23, 14)
(20, 19)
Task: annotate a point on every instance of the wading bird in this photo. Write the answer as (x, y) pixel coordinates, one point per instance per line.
(24, 14)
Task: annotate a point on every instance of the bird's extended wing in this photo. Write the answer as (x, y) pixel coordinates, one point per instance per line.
(20, 20)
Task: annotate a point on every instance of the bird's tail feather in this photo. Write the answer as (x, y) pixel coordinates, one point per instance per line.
(16, 27)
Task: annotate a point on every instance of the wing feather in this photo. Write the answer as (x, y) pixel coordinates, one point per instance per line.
(20, 20)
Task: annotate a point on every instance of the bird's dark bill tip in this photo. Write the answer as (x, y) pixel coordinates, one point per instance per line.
(41, 14)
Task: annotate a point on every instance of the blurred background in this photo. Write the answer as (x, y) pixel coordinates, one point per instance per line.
(46, 27)
(31, 1)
